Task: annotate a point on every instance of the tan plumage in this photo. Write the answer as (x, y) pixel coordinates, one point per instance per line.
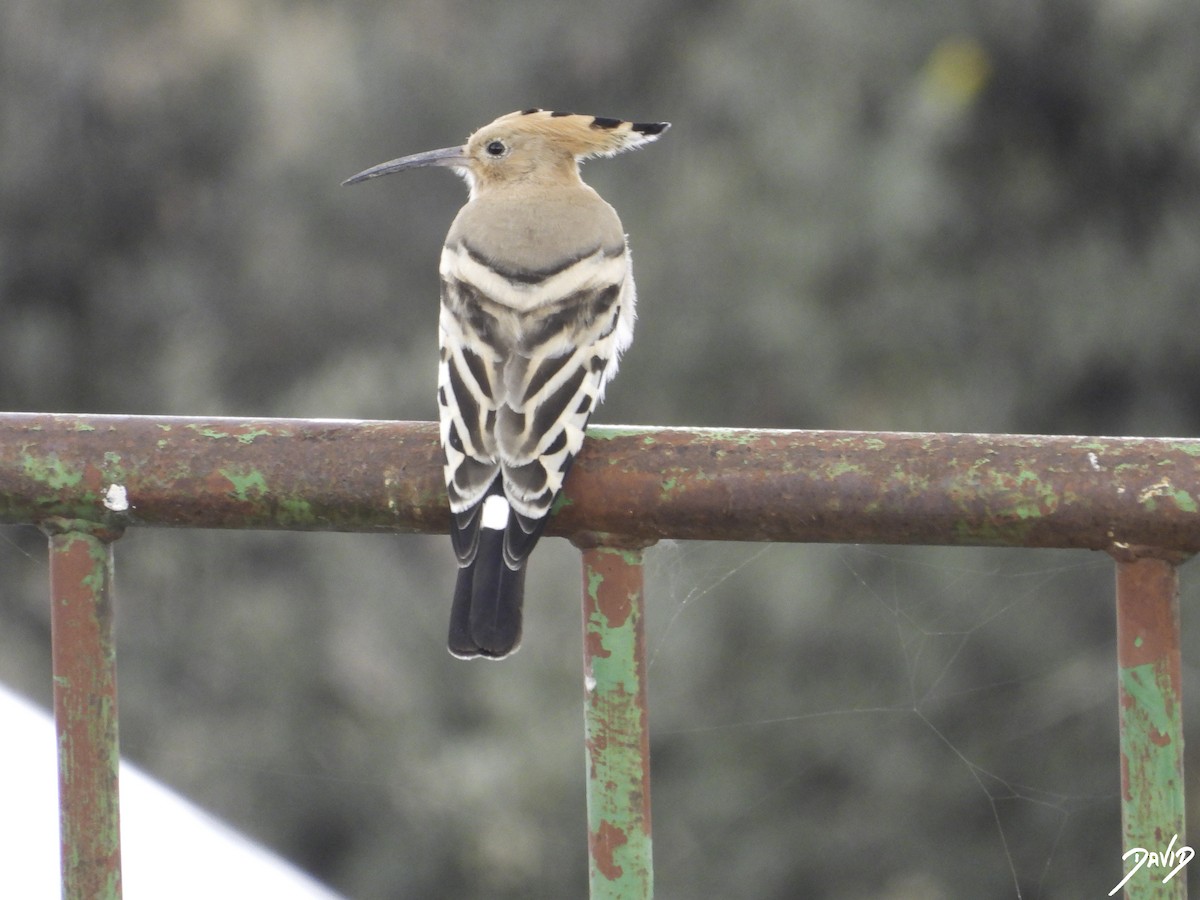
(537, 306)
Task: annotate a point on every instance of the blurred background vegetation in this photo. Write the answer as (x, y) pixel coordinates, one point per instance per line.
(952, 216)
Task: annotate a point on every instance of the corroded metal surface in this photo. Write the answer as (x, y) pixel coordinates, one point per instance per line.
(1137, 498)
(1002, 490)
(223, 473)
(85, 709)
(640, 483)
(1151, 724)
(616, 724)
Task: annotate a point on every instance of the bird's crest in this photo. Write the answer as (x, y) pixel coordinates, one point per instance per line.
(580, 136)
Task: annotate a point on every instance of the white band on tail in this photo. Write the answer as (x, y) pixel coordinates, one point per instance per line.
(495, 512)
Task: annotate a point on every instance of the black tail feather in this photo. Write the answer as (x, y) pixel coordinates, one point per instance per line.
(497, 597)
(461, 644)
(485, 619)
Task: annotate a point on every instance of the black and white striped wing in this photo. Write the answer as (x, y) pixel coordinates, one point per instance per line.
(468, 375)
(525, 357)
(567, 352)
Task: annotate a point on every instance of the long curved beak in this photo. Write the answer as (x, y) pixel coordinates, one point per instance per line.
(454, 157)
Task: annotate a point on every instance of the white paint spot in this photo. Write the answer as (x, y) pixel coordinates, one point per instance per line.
(390, 481)
(115, 498)
(1161, 488)
(1093, 461)
(495, 512)
(589, 683)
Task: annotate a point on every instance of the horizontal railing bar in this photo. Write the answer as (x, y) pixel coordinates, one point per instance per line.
(641, 483)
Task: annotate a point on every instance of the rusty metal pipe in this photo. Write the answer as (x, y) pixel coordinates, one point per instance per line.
(616, 725)
(641, 483)
(85, 709)
(1151, 720)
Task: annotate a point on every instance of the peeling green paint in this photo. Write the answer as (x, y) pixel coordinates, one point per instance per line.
(250, 436)
(1026, 509)
(209, 432)
(615, 726)
(245, 437)
(297, 509)
(246, 485)
(843, 467)
(1150, 717)
(1185, 501)
(1011, 495)
(1152, 764)
(51, 471)
(594, 580)
(1153, 697)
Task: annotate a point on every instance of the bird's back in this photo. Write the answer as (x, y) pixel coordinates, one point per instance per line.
(537, 304)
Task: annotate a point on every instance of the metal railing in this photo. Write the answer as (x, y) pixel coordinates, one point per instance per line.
(84, 479)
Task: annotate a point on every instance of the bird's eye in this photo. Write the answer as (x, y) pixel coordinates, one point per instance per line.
(496, 149)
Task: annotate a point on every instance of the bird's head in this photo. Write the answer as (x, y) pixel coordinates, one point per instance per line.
(528, 146)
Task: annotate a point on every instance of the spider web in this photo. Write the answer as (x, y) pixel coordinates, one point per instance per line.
(945, 715)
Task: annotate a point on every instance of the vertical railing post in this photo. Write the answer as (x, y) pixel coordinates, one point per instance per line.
(617, 731)
(85, 708)
(1151, 720)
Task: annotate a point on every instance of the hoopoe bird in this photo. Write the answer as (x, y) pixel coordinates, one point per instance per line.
(537, 305)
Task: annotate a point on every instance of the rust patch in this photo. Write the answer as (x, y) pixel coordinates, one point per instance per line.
(614, 602)
(606, 840)
(85, 712)
(1148, 629)
(1158, 739)
(218, 483)
(595, 645)
(93, 479)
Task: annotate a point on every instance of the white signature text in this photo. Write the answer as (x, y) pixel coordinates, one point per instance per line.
(1170, 858)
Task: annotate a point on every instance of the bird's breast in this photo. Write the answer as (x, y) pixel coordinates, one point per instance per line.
(530, 235)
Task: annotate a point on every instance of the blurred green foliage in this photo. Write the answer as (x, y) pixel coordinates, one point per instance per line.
(959, 216)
